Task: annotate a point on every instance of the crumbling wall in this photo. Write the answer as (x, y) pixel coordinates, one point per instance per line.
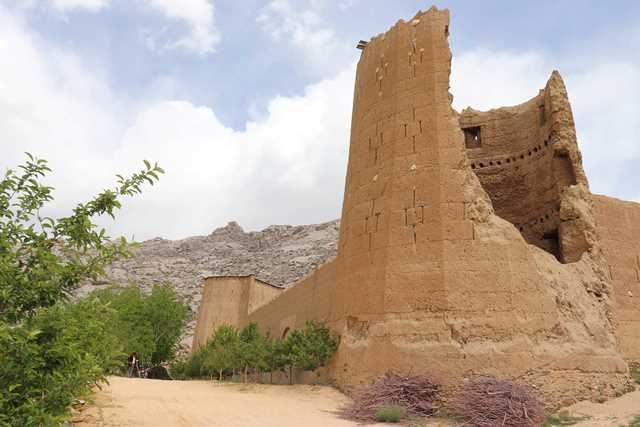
(525, 157)
(618, 224)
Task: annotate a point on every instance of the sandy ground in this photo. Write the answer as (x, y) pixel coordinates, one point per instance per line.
(136, 402)
(617, 412)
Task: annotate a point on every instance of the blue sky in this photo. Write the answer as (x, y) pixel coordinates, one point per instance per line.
(247, 103)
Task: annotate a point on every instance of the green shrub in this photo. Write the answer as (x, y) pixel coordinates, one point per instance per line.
(563, 418)
(312, 347)
(229, 351)
(390, 414)
(634, 371)
(52, 351)
(51, 359)
(150, 325)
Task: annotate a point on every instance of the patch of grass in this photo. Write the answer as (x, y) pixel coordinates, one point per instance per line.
(635, 422)
(390, 414)
(634, 371)
(563, 419)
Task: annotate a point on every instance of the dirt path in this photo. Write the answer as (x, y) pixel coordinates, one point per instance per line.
(136, 402)
(617, 412)
(139, 403)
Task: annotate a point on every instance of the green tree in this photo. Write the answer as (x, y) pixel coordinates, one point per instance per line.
(150, 325)
(277, 357)
(311, 347)
(51, 353)
(252, 350)
(222, 351)
(57, 354)
(42, 259)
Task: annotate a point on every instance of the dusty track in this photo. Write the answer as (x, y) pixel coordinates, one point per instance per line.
(135, 402)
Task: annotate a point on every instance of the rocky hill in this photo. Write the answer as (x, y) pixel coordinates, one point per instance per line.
(279, 254)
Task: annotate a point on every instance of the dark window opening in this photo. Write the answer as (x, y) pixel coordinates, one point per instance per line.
(551, 243)
(285, 332)
(472, 137)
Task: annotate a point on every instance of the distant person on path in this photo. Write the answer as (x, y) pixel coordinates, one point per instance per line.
(133, 365)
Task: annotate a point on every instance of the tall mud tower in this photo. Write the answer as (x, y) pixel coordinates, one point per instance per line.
(429, 278)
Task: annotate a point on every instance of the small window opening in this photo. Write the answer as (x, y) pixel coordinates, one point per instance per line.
(543, 116)
(472, 137)
(551, 243)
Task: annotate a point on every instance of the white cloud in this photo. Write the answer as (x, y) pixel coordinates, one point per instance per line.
(198, 15)
(486, 79)
(304, 30)
(287, 167)
(89, 5)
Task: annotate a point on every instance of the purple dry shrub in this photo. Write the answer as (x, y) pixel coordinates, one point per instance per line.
(491, 402)
(418, 395)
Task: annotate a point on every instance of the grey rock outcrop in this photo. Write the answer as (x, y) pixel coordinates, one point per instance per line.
(279, 254)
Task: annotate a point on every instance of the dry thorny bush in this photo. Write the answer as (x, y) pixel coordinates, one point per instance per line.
(418, 395)
(490, 402)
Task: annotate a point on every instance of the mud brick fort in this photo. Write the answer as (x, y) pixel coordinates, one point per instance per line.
(469, 244)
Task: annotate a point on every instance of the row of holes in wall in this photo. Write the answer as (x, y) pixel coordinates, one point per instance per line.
(510, 160)
(536, 222)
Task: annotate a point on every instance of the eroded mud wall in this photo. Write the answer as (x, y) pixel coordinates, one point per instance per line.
(524, 159)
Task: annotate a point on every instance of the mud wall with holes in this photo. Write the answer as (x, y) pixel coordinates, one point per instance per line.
(619, 228)
(516, 154)
(228, 300)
